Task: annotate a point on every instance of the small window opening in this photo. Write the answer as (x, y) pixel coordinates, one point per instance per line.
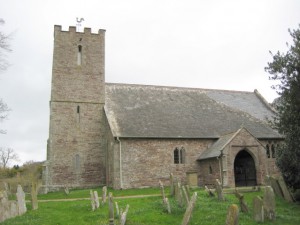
(268, 151)
(176, 156)
(79, 55)
(78, 109)
(210, 169)
(273, 151)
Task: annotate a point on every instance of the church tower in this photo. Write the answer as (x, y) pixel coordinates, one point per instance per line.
(77, 144)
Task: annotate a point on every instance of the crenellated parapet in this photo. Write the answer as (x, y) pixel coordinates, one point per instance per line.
(72, 29)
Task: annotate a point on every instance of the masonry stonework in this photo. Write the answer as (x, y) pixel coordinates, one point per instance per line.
(77, 134)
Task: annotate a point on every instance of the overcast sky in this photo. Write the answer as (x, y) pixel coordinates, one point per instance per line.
(190, 43)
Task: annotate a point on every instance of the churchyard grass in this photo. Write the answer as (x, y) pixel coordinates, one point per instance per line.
(149, 210)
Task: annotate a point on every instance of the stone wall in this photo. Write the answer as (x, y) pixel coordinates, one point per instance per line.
(146, 161)
(77, 136)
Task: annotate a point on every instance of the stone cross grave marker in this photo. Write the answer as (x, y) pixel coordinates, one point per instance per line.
(269, 203)
(243, 205)
(232, 215)
(111, 209)
(189, 210)
(219, 190)
(21, 205)
(258, 209)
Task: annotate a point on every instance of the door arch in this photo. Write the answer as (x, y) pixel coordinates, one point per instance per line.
(244, 169)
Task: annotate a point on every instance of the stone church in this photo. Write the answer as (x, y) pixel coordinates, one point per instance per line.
(132, 136)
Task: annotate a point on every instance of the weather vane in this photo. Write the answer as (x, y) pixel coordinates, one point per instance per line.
(79, 21)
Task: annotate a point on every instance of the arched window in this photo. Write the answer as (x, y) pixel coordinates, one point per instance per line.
(79, 55)
(268, 151)
(273, 150)
(179, 156)
(176, 156)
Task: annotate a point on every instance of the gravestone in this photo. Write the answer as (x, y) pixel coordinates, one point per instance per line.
(219, 190)
(209, 191)
(111, 209)
(21, 205)
(276, 188)
(189, 210)
(92, 200)
(172, 191)
(124, 216)
(243, 205)
(96, 199)
(104, 194)
(232, 215)
(167, 203)
(34, 201)
(286, 193)
(185, 195)
(117, 210)
(258, 209)
(269, 203)
(162, 190)
(188, 191)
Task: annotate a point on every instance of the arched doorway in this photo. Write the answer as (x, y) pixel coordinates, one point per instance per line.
(244, 170)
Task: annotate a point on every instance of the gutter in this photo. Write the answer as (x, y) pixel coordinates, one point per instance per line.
(120, 161)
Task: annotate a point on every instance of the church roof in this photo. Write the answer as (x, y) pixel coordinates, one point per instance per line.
(144, 111)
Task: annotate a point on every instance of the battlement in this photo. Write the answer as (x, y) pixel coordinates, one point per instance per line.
(72, 29)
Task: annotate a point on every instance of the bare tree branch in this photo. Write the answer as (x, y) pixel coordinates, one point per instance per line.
(7, 155)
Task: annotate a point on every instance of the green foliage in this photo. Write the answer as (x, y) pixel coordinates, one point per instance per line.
(285, 69)
(150, 210)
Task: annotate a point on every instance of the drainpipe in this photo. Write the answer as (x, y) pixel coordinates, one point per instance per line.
(221, 166)
(120, 156)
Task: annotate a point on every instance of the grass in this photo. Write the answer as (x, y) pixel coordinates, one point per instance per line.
(142, 211)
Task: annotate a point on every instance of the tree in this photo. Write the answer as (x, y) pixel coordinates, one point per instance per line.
(7, 155)
(4, 47)
(285, 70)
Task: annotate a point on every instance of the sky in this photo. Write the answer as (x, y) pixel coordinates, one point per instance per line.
(211, 44)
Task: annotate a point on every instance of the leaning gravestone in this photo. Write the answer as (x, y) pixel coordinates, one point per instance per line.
(276, 188)
(232, 215)
(189, 210)
(124, 216)
(172, 191)
(162, 190)
(185, 194)
(269, 203)
(258, 209)
(286, 193)
(219, 190)
(21, 205)
(209, 191)
(243, 205)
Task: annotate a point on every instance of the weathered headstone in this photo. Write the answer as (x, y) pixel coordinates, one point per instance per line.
(167, 203)
(232, 215)
(188, 191)
(172, 191)
(258, 209)
(111, 209)
(104, 194)
(92, 200)
(124, 216)
(185, 195)
(269, 203)
(96, 199)
(209, 191)
(276, 188)
(243, 205)
(21, 205)
(219, 190)
(162, 190)
(34, 201)
(286, 193)
(189, 210)
(180, 195)
(117, 210)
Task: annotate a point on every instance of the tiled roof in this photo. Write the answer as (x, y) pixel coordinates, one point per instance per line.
(170, 112)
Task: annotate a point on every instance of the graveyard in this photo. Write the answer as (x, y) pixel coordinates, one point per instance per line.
(162, 205)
